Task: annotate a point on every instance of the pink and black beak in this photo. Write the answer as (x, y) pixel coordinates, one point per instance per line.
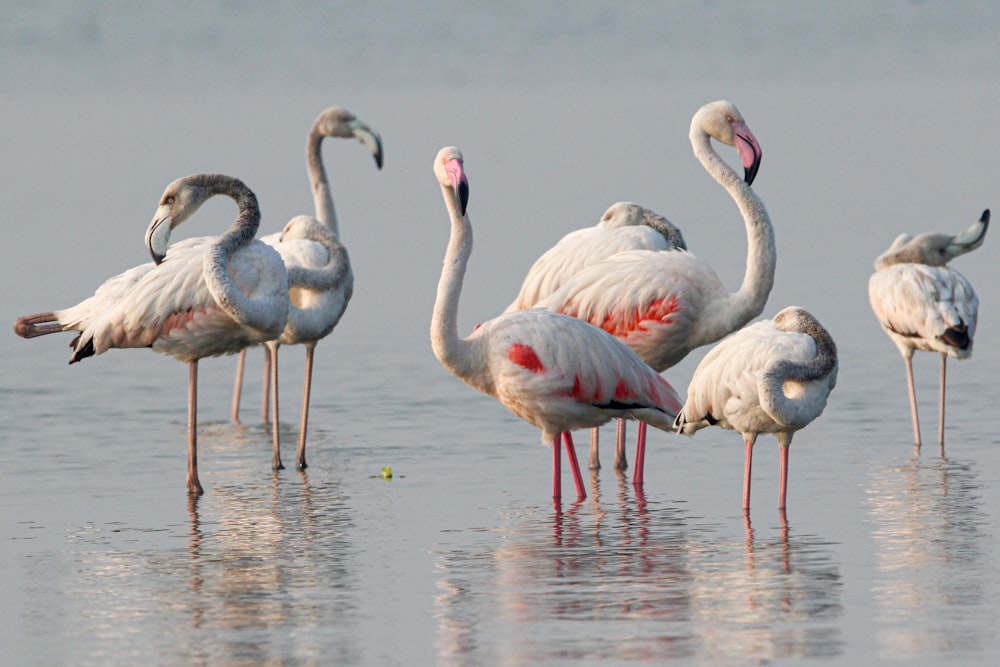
(459, 183)
(748, 149)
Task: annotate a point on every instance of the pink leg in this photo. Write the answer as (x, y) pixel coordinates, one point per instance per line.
(595, 446)
(747, 466)
(913, 399)
(638, 475)
(276, 463)
(300, 458)
(574, 465)
(556, 469)
(621, 458)
(238, 388)
(944, 363)
(266, 400)
(783, 479)
(193, 484)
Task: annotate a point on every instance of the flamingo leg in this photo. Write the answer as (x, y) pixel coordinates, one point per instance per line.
(556, 469)
(300, 457)
(638, 475)
(595, 446)
(266, 399)
(272, 354)
(193, 484)
(621, 458)
(574, 465)
(913, 399)
(747, 467)
(238, 387)
(783, 478)
(944, 363)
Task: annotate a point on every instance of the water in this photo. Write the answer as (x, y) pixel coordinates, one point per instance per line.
(888, 554)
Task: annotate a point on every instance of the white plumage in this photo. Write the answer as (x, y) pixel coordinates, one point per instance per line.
(553, 371)
(924, 304)
(773, 376)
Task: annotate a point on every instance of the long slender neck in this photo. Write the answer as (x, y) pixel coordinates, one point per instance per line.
(250, 312)
(454, 353)
(322, 196)
(751, 298)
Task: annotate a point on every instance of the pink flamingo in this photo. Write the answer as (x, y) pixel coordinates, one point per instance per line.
(773, 376)
(662, 305)
(924, 304)
(555, 372)
(321, 282)
(207, 296)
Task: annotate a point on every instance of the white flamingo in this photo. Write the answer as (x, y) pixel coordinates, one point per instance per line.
(204, 297)
(662, 305)
(773, 376)
(319, 272)
(553, 371)
(924, 304)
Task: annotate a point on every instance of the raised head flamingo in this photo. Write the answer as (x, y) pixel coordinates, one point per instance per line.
(319, 272)
(555, 372)
(662, 305)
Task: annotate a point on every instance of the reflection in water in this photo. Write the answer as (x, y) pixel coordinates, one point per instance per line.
(638, 581)
(263, 575)
(930, 558)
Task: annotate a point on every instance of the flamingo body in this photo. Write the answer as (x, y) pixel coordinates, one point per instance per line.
(554, 371)
(774, 376)
(924, 304)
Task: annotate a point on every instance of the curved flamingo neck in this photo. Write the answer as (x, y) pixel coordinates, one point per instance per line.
(249, 312)
(322, 195)
(749, 301)
(454, 352)
(798, 411)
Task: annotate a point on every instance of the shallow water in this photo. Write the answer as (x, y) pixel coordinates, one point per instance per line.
(888, 554)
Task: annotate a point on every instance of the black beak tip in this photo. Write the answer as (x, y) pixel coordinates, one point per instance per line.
(463, 195)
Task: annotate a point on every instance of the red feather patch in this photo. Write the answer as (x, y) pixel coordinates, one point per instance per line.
(524, 356)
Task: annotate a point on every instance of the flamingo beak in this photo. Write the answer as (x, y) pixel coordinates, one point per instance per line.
(369, 138)
(158, 237)
(972, 238)
(748, 149)
(459, 183)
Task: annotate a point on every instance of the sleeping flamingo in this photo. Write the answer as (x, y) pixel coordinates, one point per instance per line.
(319, 271)
(204, 297)
(662, 305)
(773, 376)
(555, 372)
(924, 304)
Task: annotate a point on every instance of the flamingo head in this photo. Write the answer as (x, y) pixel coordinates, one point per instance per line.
(449, 167)
(341, 123)
(724, 122)
(934, 249)
(178, 203)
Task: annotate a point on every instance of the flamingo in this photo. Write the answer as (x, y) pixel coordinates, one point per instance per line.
(554, 371)
(662, 305)
(204, 297)
(773, 376)
(624, 226)
(924, 304)
(319, 271)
